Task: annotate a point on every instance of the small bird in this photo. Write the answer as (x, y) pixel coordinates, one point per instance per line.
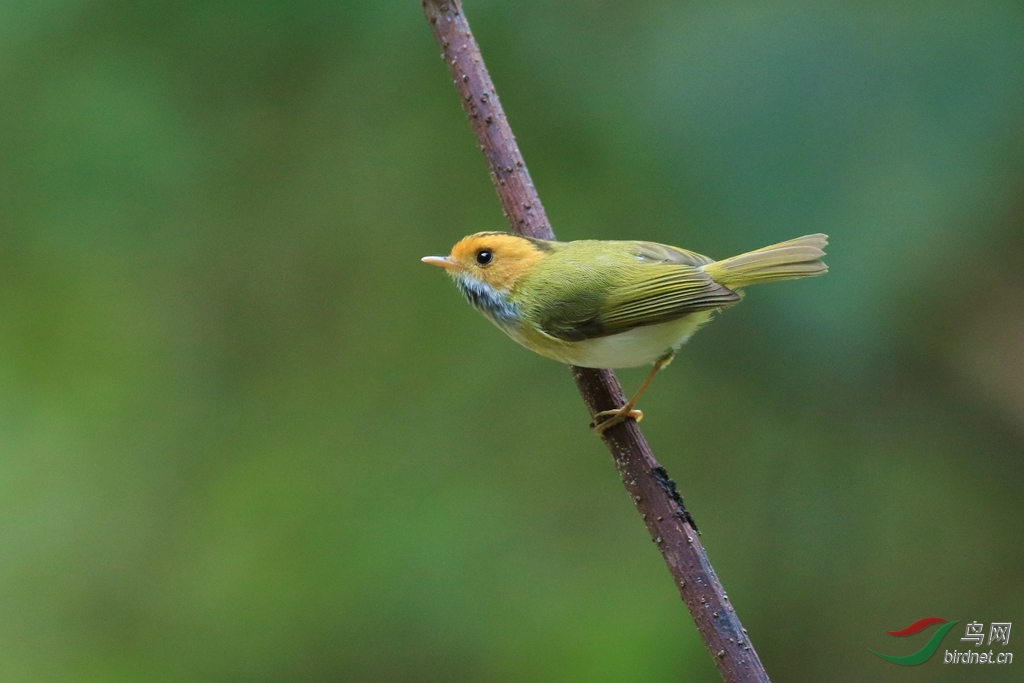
(611, 304)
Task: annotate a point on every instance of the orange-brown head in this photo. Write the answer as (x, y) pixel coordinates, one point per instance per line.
(497, 259)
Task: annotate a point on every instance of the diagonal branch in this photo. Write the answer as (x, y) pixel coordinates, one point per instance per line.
(653, 493)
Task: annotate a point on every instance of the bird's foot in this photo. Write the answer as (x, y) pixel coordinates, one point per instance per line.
(610, 418)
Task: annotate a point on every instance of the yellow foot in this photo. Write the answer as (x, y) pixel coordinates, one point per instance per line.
(610, 418)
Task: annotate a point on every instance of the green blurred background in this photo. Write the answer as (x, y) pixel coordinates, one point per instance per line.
(246, 436)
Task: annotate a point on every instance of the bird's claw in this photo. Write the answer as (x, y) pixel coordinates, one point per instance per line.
(614, 417)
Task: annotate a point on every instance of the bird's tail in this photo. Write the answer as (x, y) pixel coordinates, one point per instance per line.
(800, 257)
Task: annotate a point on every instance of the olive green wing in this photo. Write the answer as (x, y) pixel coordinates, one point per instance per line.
(652, 252)
(656, 285)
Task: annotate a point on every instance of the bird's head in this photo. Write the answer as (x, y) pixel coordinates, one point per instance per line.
(495, 259)
(487, 265)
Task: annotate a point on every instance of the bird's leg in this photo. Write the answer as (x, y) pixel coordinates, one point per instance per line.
(614, 417)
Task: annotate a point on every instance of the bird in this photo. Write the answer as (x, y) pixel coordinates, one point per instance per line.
(611, 303)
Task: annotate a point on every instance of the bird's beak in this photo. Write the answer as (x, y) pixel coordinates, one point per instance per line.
(440, 261)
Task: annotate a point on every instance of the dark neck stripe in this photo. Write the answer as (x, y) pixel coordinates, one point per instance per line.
(486, 299)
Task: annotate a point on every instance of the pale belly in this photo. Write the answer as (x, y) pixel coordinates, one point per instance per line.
(639, 346)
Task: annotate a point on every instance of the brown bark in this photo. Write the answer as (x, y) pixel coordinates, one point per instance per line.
(654, 494)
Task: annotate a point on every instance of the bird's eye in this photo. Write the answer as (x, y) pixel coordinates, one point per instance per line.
(483, 257)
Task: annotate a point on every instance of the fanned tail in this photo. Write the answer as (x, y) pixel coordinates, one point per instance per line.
(800, 257)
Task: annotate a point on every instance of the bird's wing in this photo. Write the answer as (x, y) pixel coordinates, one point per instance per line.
(659, 285)
(652, 252)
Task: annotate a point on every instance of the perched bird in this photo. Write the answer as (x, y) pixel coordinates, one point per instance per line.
(611, 304)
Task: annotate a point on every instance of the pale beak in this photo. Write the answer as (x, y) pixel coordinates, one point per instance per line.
(440, 261)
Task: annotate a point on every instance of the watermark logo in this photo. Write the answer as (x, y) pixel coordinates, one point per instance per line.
(929, 648)
(998, 633)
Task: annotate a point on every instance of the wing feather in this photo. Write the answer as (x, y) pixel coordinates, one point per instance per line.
(658, 285)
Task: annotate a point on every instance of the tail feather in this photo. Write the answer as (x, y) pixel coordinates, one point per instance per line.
(794, 258)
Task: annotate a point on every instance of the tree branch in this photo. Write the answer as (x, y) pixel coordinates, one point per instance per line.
(653, 493)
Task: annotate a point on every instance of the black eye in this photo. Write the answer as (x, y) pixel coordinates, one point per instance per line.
(483, 257)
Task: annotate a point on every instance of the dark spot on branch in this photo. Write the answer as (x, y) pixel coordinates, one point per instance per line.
(669, 487)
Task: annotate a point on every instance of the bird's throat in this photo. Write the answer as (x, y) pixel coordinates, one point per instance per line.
(486, 299)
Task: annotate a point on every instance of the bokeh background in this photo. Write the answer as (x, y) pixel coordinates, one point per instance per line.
(246, 436)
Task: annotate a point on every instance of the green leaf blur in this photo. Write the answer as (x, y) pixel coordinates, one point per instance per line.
(245, 435)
